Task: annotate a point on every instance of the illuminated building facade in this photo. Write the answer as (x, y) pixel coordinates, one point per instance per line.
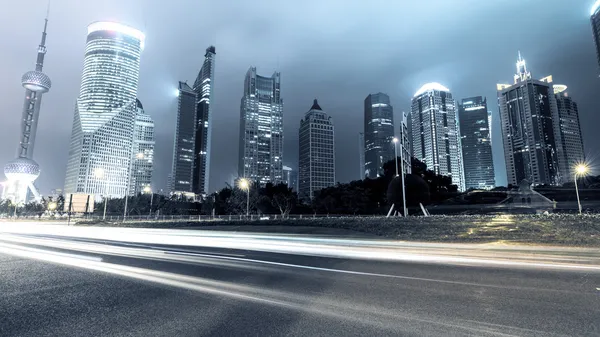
(261, 129)
(435, 138)
(23, 171)
(378, 133)
(570, 131)
(529, 124)
(143, 152)
(101, 147)
(316, 164)
(203, 87)
(475, 141)
(182, 172)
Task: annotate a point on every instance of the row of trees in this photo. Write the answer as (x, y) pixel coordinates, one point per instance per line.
(368, 196)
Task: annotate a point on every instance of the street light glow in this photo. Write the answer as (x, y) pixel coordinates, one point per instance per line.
(395, 140)
(581, 169)
(244, 184)
(52, 206)
(147, 189)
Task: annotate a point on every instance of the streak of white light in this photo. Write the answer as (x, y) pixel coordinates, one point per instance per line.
(240, 292)
(370, 250)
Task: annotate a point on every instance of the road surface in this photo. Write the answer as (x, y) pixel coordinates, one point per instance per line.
(58, 281)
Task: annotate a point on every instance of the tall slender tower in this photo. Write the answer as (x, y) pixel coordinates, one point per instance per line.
(570, 132)
(261, 129)
(379, 133)
(316, 164)
(435, 132)
(102, 138)
(203, 86)
(142, 166)
(22, 172)
(182, 171)
(475, 140)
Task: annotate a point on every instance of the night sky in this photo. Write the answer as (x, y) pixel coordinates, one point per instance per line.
(337, 51)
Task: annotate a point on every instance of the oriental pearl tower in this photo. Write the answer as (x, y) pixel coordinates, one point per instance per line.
(22, 172)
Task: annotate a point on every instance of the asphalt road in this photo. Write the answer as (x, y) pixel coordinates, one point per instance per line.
(77, 286)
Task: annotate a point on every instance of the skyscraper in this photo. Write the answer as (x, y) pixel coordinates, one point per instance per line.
(143, 149)
(23, 171)
(261, 129)
(379, 133)
(475, 140)
(435, 132)
(203, 86)
(529, 120)
(101, 148)
(317, 152)
(182, 171)
(570, 131)
(595, 18)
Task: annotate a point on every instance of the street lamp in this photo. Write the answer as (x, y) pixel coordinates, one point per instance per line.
(396, 140)
(244, 184)
(147, 190)
(580, 170)
(52, 206)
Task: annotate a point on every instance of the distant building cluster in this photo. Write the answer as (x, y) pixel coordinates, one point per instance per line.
(111, 151)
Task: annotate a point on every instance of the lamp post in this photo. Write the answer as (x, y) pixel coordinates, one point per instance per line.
(148, 189)
(580, 170)
(395, 140)
(244, 184)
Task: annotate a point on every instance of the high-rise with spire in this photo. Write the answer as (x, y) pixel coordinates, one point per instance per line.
(530, 129)
(22, 172)
(316, 164)
(203, 86)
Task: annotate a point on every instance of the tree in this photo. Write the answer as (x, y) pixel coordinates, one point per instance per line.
(284, 199)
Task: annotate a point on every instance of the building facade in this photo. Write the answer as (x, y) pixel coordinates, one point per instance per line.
(203, 86)
(316, 152)
(182, 171)
(476, 145)
(570, 131)
(142, 166)
(529, 124)
(261, 129)
(595, 19)
(378, 133)
(101, 147)
(23, 171)
(404, 137)
(435, 137)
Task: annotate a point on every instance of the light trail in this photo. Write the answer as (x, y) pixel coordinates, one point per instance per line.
(378, 316)
(460, 254)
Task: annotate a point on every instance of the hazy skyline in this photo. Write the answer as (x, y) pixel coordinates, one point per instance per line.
(335, 51)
